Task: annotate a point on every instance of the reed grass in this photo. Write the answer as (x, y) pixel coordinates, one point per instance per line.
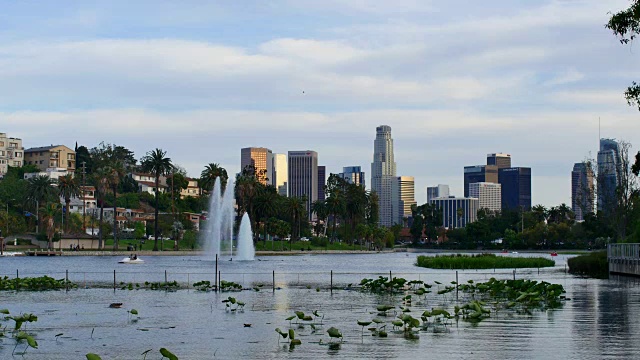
(482, 261)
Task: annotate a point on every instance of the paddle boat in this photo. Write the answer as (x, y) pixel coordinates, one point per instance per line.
(554, 254)
(133, 259)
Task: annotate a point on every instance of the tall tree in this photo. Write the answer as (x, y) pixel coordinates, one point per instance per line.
(49, 213)
(115, 172)
(626, 25)
(157, 163)
(209, 175)
(68, 188)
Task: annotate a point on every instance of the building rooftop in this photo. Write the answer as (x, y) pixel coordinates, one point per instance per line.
(42, 148)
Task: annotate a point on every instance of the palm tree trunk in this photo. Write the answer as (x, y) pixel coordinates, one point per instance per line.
(67, 201)
(115, 222)
(155, 225)
(100, 244)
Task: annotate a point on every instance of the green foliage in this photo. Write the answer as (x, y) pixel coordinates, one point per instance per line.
(594, 265)
(383, 285)
(481, 261)
(34, 283)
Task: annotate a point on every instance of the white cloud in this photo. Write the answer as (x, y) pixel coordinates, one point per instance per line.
(570, 76)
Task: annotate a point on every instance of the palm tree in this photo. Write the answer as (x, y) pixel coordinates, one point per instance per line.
(49, 214)
(100, 177)
(266, 205)
(335, 207)
(322, 212)
(114, 171)
(39, 189)
(295, 208)
(68, 188)
(156, 163)
(209, 175)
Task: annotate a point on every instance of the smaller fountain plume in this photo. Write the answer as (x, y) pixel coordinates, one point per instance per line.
(246, 250)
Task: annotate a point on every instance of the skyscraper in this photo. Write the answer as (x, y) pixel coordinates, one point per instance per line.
(489, 195)
(457, 212)
(479, 173)
(262, 161)
(353, 175)
(581, 190)
(383, 171)
(280, 175)
(516, 188)
(402, 197)
(322, 181)
(437, 191)
(608, 174)
(501, 160)
(303, 176)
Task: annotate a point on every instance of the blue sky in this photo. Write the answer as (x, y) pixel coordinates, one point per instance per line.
(455, 80)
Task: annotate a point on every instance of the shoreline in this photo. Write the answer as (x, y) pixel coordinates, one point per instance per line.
(21, 252)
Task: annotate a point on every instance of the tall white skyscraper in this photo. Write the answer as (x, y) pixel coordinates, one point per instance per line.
(489, 195)
(303, 176)
(280, 173)
(383, 173)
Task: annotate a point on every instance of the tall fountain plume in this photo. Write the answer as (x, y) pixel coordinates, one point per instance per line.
(246, 251)
(220, 223)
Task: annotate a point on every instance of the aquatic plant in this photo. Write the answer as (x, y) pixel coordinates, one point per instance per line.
(35, 283)
(239, 305)
(334, 333)
(229, 286)
(481, 261)
(383, 285)
(594, 265)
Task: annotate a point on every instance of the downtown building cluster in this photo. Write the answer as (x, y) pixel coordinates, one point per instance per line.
(298, 174)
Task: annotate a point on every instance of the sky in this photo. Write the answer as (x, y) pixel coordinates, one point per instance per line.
(455, 80)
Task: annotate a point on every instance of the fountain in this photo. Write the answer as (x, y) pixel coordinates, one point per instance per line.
(219, 228)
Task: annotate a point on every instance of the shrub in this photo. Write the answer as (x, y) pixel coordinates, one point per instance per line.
(482, 261)
(594, 265)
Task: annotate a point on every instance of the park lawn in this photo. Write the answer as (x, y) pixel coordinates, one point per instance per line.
(304, 246)
(148, 245)
(482, 261)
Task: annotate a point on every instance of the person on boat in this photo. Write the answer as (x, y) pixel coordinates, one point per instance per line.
(135, 257)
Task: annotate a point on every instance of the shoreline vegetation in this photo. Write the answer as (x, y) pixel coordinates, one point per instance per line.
(593, 265)
(481, 261)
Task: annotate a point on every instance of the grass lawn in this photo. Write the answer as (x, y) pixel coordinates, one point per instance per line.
(304, 246)
(481, 261)
(148, 245)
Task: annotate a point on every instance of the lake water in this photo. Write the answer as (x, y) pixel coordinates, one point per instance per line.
(599, 322)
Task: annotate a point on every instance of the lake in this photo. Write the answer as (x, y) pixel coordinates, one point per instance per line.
(598, 322)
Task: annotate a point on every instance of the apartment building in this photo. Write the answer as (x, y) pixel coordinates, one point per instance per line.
(11, 153)
(54, 156)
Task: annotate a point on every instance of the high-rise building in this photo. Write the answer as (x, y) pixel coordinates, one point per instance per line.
(501, 160)
(403, 198)
(437, 191)
(582, 195)
(262, 161)
(479, 173)
(280, 175)
(54, 156)
(516, 188)
(489, 195)
(322, 181)
(353, 175)
(11, 153)
(609, 163)
(303, 176)
(457, 212)
(383, 172)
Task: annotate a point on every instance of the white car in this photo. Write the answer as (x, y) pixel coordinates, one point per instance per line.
(304, 239)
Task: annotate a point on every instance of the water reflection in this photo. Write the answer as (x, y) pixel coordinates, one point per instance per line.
(599, 321)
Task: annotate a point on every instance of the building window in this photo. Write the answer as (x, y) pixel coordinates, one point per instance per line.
(1, 143)
(41, 162)
(1, 153)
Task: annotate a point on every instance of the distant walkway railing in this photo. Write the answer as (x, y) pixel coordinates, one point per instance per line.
(624, 259)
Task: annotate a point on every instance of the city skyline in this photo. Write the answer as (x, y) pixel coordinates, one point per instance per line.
(321, 76)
